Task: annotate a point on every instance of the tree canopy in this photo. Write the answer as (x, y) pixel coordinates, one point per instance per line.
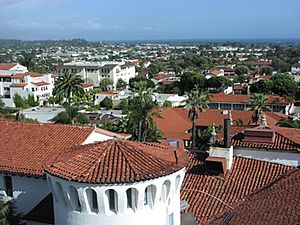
(68, 85)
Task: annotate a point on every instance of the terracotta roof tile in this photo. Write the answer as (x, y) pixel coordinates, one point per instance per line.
(18, 84)
(286, 139)
(276, 203)
(116, 161)
(173, 123)
(22, 75)
(86, 85)
(26, 145)
(209, 195)
(7, 66)
(41, 83)
(238, 98)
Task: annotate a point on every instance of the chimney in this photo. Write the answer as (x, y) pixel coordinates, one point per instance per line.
(227, 140)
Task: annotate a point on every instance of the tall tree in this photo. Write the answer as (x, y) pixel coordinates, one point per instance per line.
(258, 103)
(68, 85)
(121, 84)
(197, 102)
(8, 215)
(140, 115)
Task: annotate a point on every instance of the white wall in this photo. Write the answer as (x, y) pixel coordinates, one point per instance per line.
(285, 158)
(65, 215)
(27, 191)
(96, 136)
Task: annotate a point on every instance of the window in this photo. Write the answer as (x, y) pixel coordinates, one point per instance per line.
(177, 182)
(92, 200)
(132, 198)
(112, 197)
(8, 186)
(171, 219)
(165, 190)
(60, 193)
(74, 199)
(149, 195)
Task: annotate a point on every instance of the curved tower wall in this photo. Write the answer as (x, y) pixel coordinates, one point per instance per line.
(155, 201)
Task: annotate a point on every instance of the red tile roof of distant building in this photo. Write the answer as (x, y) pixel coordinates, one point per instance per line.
(7, 66)
(238, 98)
(163, 76)
(216, 116)
(209, 195)
(18, 84)
(22, 75)
(275, 203)
(41, 83)
(26, 145)
(116, 161)
(107, 93)
(87, 85)
(239, 87)
(286, 139)
(173, 122)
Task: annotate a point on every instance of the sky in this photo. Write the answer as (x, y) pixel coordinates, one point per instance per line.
(100, 20)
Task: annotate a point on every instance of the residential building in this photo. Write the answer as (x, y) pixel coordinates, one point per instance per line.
(241, 102)
(16, 80)
(13, 67)
(96, 72)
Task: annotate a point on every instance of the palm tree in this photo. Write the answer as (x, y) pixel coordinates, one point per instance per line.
(140, 117)
(197, 101)
(8, 216)
(258, 103)
(68, 85)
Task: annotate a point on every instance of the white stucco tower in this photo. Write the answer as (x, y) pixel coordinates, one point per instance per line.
(117, 182)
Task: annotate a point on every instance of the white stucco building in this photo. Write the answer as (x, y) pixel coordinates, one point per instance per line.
(15, 79)
(95, 72)
(109, 183)
(65, 176)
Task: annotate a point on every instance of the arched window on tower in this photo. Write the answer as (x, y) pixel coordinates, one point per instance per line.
(60, 193)
(92, 200)
(149, 196)
(74, 199)
(132, 198)
(165, 191)
(177, 182)
(112, 197)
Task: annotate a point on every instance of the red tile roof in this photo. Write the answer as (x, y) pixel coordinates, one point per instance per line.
(209, 195)
(286, 139)
(26, 145)
(86, 85)
(18, 84)
(163, 76)
(216, 116)
(7, 66)
(173, 123)
(22, 75)
(238, 98)
(276, 203)
(41, 83)
(116, 161)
